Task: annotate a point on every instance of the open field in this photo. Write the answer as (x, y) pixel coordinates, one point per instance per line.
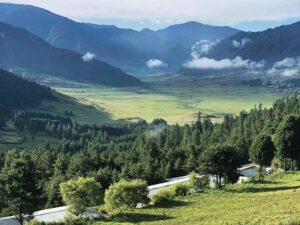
(271, 202)
(176, 102)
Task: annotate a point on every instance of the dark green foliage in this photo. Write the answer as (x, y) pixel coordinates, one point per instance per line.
(20, 188)
(18, 93)
(262, 151)
(221, 161)
(286, 138)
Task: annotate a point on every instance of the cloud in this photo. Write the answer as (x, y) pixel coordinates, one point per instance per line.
(155, 131)
(224, 12)
(87, 57)
(154, 63)
(209, 63)
(240, 44)
(202, 47)
(288, 62)
(287, 67)
(290, 72)
(284, 72)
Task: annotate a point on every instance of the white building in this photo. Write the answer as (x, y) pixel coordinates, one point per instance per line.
(247, 172)
(51, 215)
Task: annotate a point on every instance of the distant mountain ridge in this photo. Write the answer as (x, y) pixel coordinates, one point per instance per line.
(271, 45)
(21, 49)
(124, 48)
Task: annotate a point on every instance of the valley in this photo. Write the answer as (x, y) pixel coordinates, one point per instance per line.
(177, 100)
(157, 112)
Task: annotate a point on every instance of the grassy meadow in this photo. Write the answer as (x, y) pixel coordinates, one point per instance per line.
(176, 102)
(270, 202)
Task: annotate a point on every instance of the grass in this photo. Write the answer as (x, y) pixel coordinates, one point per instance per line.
(84, 112)
(272, 202)
(176, 102)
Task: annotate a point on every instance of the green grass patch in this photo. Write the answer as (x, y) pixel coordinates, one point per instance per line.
(271, 202)
(176, 102)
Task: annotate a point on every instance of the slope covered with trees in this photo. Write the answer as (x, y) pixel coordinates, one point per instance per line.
(18, 93)
(271, 45)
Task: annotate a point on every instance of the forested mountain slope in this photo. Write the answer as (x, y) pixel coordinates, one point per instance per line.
(17, 93)
(271, 45)
(21, 49)
(124, 48)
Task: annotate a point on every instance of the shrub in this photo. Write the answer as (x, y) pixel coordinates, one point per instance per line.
(181, 189)
(163, 196)
(276, 164)
(198, 183)
(81, 193)
(126, 194)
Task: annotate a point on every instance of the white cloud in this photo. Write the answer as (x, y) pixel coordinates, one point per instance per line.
(87, 57)
(202, 47)
(284, 72)
(240, 44)
(288, 62)
(221, 12)
(209, 63)
(272, 71)
(154, 63)
(290, 72)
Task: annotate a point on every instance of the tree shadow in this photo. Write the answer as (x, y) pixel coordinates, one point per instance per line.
(171, 204)
(263, 189)
(265, 182)
(138, 217)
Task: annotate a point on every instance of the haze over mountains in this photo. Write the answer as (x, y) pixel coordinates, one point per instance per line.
(271, 45)
(272, 48)
(21, 49)
(125, 48)
(190, 45)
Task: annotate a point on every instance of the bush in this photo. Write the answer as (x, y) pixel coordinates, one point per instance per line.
(181, 189)
(163, 196)
(276, 164)
(81, 193)
(197, 183)
(126, 194)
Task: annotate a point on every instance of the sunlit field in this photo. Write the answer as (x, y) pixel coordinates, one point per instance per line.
(270, 202)
(175, 102)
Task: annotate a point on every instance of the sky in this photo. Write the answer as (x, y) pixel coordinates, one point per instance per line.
(248, 15)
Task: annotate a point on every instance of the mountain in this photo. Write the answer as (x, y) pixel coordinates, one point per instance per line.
(271, 45)
(124, 48)
(17, 93)
(21, 49)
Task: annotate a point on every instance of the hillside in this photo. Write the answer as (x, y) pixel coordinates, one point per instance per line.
(21, 49)
(271, 202)
(124, 48)
(17, 93)
(271, 45)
